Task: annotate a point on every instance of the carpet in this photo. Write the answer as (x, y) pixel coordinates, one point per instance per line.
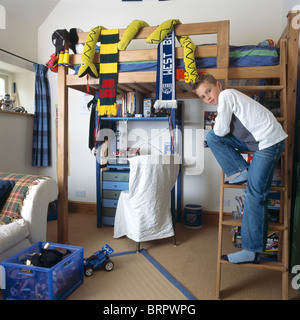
(136, 276)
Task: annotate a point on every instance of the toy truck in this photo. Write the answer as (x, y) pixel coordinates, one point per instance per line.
(99, 259)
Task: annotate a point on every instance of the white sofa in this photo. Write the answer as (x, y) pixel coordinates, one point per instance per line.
(22, 233)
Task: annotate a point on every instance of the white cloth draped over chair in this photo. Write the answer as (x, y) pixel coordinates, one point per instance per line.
(143, 212)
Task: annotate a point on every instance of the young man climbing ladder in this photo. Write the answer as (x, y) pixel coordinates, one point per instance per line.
(244, 124)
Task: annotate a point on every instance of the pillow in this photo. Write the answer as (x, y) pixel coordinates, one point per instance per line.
(6, 187)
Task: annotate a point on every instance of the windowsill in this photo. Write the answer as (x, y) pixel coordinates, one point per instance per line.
(17, 113)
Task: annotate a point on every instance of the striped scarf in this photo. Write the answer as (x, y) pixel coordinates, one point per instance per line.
(165, 74)
(108, 72)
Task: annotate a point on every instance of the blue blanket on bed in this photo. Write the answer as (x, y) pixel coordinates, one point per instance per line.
(239, 56)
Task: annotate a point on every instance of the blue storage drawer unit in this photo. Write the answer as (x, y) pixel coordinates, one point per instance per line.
(113, 182)
(23, 282)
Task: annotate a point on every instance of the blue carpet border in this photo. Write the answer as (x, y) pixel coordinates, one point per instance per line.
(162, 270)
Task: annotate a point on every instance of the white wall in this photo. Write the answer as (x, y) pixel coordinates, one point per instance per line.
(292, 5)
(16, 143)
(19, 38)
(250, 23)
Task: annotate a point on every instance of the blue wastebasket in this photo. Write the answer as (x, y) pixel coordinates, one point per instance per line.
(193, 216)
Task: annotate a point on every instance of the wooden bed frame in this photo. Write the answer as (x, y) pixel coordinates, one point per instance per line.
(144, 81)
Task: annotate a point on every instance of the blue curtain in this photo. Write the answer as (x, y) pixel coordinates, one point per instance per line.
(41, 144)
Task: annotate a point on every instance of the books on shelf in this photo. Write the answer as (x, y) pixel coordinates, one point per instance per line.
(130, 105)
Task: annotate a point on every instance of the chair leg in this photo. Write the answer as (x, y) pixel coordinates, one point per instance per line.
(138, 247)
(138, 244)
(174, 240)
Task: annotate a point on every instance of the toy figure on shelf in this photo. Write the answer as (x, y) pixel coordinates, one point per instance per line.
(97, 260)
(7, 103)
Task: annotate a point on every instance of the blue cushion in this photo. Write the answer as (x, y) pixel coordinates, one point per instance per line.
(6, 187)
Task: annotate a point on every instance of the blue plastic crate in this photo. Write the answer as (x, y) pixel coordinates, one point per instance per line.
(23, 282)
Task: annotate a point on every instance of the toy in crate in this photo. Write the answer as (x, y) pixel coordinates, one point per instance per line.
(46, 257)
(99, 259)
(44, 271)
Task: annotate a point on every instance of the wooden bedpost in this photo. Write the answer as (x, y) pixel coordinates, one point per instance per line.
(62, 156)
(292, 58)
(223, 49)
(291, 91)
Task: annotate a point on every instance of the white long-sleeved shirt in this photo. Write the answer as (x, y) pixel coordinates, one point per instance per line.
(247, 120)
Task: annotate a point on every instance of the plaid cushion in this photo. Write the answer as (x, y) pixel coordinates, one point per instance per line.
(11, 210)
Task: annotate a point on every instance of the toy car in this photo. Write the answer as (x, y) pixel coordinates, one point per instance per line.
(97, 260)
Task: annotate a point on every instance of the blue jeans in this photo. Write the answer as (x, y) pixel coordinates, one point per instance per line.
(260, 173)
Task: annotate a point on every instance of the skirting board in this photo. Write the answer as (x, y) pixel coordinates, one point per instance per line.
(208, 217)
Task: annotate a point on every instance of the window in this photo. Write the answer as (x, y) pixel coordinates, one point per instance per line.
(3, 85)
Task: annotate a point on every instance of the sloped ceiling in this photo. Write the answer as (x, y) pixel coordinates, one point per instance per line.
(33, 12)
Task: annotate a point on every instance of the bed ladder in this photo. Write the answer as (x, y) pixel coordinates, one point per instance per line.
(282, 263)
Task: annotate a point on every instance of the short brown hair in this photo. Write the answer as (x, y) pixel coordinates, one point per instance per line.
(204, 78)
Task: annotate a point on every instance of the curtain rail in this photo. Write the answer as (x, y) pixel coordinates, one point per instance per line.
(15, 55)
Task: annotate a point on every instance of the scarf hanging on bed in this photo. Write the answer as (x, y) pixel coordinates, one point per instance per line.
(108, 72)
(165, 75)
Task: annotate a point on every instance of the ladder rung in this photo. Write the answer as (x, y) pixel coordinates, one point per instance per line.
(257, 88)
(252, 152)
(269, 265)
(243, 186)
(238, 223)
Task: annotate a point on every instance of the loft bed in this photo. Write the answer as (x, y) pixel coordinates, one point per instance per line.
(137, 68)
(145, 82)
